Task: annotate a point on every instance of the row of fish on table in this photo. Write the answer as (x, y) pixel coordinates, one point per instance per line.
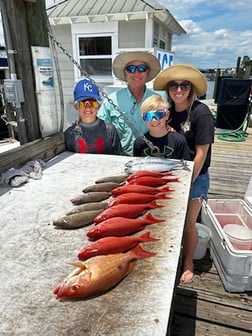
(113, 205)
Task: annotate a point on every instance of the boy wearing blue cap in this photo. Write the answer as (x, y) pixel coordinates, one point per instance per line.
(91, 135)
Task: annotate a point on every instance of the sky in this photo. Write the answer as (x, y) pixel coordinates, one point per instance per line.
(218, 31)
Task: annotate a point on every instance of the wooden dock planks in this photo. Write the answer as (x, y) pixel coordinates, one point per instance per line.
(203, 307)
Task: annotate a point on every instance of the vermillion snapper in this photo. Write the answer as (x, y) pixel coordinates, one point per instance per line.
(133, 188)
(121, 226)
(99, 274)
(126, 210)
(109, 245)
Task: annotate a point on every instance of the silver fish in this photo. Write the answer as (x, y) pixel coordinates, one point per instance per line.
(113, 178)
(88, 207)
(154, 164)
(77, 220)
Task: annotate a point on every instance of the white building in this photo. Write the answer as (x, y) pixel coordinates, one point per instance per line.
(93, 32)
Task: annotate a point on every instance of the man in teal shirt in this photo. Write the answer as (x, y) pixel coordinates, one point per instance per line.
(136, 68)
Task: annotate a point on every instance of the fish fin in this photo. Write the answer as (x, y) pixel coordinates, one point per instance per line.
(151, 219)
(79, 265)
(147, 238)
(140, 253)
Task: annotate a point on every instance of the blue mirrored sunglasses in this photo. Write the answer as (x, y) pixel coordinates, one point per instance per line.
(133, 68)
(159, 114)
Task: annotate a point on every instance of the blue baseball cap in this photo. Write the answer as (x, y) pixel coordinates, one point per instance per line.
(85, 89)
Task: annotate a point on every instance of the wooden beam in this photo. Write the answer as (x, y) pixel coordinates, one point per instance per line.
(44, 149)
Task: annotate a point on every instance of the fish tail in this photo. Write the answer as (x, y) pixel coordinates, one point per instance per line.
(139, 253)
(147, 238)
(151, 219)
(163, 196)
(154, 205)
(167, 173)
(173, 179)
(165, 189)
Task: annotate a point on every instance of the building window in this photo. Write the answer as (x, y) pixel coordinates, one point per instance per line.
(95, 54)
(162, 44)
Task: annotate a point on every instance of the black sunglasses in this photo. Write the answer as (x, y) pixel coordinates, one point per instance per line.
(133, 68)
(184, 86)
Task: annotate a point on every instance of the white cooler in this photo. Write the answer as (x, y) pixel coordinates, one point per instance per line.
(231, 255)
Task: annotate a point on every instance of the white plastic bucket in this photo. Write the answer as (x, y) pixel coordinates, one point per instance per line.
(204, 235)
(240, 236)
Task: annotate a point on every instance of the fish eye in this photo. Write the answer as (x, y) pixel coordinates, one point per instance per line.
(75, 288)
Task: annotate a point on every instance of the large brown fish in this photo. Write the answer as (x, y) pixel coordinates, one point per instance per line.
(99, 274)
(105, 186)
(113, 178)
(88, 207)
(126, 210)
(77, 220)
(94, 196)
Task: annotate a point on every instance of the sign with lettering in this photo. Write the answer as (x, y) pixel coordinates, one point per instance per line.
(165, 58)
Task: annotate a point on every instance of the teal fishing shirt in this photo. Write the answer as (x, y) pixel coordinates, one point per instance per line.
(128, 106)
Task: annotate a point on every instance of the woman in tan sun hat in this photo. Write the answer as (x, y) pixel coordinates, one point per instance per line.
(183, 83)
(136, 68)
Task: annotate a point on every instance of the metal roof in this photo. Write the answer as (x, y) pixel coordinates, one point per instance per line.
(79, 11)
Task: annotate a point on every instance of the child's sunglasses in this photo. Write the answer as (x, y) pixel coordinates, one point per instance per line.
(133, 68)
(184, 86)
(159, 114)
(88, 103)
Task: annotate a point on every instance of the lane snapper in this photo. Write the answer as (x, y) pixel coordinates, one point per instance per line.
(121, 226)
(104, 186)
(126, 210)
(99, 274)
(76, 220)
(93, 196)
(113, 244)
(114, 178)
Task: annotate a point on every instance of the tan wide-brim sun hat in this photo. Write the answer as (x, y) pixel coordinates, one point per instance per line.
(125, 58)
(182, 72)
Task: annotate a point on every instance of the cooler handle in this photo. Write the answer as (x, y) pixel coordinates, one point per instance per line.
(223, 243)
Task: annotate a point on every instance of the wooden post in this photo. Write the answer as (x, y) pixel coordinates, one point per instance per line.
(27, 28)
